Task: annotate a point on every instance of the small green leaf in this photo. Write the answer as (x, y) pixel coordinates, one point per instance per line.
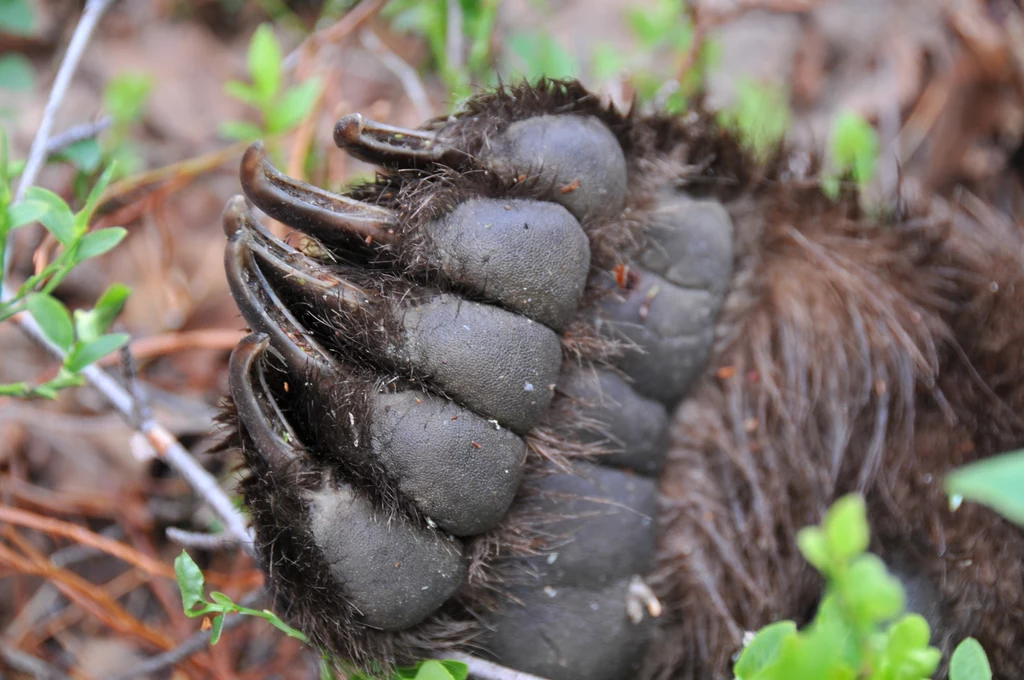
(53, 318)
(125, 97)
(58, 218)
(221, 598)
(84, 216)
(646, 27)
(190, 581)
(16, 72)
(242, 92)
(93, 323)
(98, 242)
(854, 147)
(607, 62)
(218, 627)
(236, 129)
(26, 212)
(846, 528)
(969, 662)
(16, 17)
(814, 547)
(432, 670)
(909, 633)
(85, 155)
(265, 62)
(873, 593)
(85, 353)
(457, 669)
(763, 650)
(295, 105)
(995, 482)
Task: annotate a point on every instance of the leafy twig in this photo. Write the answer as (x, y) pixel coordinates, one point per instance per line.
(94, 9)
(162, 441)
(193, 645)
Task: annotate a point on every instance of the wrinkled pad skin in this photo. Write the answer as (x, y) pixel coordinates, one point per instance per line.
(671, 328)
(530, 256)
(570, 621)
(577, 156)
(502, 365)
(460, 470)
(669, 307)
(608, 530)
(632, 430)
(691, 243)
(568, 633)
(392, 572)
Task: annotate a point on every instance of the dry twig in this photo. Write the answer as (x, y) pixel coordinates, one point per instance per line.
(410, 80)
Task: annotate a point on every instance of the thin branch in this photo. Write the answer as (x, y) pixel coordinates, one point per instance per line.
(162, 441)
(77, 133)
(487, 670)
(406, 74)
(37, 154)
(26, 663)
(352, 20)
(193, 645)
(194, 539)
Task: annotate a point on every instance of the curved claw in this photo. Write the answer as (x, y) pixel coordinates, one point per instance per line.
(319, 213)
(302, 274)
(383, 144)
(264, 311)
(258, 413)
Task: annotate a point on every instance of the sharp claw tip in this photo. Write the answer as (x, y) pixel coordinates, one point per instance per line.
(253, 158)
(348, 129)
(234, 215)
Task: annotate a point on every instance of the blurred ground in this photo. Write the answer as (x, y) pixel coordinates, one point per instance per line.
(940, 80)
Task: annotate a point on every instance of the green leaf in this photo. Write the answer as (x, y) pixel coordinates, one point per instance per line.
(125, 97)
(84, 216)
(98, 242)
(58, 218)
(218, 627)
(854, 147)
(85, 155)
(85, 353)
(265, 62)
(995, 482)
(814, 547)
(607, 62)
(16, 17)
(846, 528)
(25, 212)
(872, 592)
(457, 669)
(763, 650)
(221, 598)
(53, 318)
(242, 92)
(16, 73)
(190, 581)
(236, 129)
(295, 105)
(91, 324)
(542, 55)
(909, 633)
(432, 670)
(969, 662)
(646, 27)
